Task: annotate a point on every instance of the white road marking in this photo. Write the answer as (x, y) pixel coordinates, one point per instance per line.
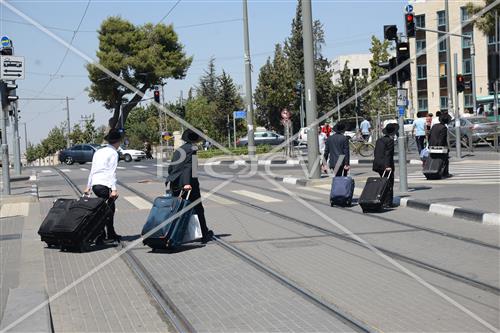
(83, 169)
(138, 202)
(66, 170)
(220, 200)
(121, 168)
(256, 196)
(46, 171)
(140, 166)
(14, 209)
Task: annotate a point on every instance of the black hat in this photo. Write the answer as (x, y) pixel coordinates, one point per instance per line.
(391, 129)
(113, 136)
(339, 128)
(190, 136)
(444, 118)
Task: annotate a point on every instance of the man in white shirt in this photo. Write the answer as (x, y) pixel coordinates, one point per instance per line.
(435, 120)
(365, 128)
(102, 178)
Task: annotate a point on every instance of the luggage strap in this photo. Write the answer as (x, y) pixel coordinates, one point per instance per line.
(389, 175)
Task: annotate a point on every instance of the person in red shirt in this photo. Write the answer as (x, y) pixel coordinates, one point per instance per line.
(327, 129)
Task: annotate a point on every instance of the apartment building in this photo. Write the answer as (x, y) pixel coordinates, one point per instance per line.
(358, 64)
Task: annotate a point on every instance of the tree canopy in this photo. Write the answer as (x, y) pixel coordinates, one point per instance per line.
(486, 23)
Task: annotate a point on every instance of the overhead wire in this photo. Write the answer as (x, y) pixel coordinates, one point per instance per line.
(170, 11)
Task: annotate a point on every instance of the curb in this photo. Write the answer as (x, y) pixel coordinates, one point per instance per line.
(453, 211)
(289, 162)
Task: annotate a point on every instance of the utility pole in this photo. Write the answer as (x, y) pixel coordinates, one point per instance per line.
(16, 141)
(5, 152)
(248, 83)
(25, 138)
(403, 179)
(495, 111)
(310, 90)
(458, 141)
(473, 72)
(449, 76)
(68, 142)
(228, 133)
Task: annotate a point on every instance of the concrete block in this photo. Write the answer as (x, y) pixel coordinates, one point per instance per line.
(20, 302)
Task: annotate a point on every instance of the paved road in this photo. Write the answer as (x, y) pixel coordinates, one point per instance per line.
(307, 241)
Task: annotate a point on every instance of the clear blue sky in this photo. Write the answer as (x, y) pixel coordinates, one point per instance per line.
(348, 26)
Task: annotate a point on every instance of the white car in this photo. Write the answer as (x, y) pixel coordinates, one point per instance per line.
(131, 154)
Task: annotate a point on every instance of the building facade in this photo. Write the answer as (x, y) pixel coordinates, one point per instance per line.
(429, 70)
(358, 64)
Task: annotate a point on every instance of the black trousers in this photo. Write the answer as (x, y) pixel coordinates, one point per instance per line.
(198, 209)
(102, 191)
(420, 143)
(390, 191)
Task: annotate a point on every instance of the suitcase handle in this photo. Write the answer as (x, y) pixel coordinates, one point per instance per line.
(345, 173)
(389, 175)
(188, 194)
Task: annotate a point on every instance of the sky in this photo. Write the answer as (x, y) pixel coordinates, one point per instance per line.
(54, 72)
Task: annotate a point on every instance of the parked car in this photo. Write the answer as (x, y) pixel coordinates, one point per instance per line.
(78, 153)
(408, 125)
(476, 128)
(302, 138)
(263, 138)
(130, 154)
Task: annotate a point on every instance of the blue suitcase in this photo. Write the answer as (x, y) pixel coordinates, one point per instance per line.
(171, 234)
(342, 191)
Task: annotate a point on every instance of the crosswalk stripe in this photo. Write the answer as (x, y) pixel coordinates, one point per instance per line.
(302, 195)
(140, 166)
(219, 200)
(46, 171)
(83, 169)
(138, 202)
(256, 196)
(66, 170)
(14, 209)
(121, 168)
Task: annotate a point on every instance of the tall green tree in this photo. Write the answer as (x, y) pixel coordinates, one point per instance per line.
(144, 56)
(378, 97)
(142, 125)
(54, 141)
(77, 136)
(486, 23)
(345, 87)
(209, 84)
(89, 133)
(200, 113)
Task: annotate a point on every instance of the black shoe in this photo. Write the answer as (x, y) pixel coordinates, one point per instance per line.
(448, 175)
(100, 240)
(208, 237)
(114, 237)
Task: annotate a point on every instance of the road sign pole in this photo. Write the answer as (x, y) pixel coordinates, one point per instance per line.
(68, 141)
(248, 83)
(16, 142)
(5, 153)
(403, 179)
(234, 135)
(458, 141)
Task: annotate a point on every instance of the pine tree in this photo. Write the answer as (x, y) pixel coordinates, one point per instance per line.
(377, 99)
(208, 86)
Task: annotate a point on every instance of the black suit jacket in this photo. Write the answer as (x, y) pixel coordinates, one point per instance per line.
(438, 135)
(384, 154)
(336, 145)
(180, 172)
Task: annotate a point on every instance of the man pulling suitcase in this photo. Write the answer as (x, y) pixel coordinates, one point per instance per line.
(383, 161)
(102, 179)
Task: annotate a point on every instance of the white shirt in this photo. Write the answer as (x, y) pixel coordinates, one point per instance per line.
(322, 141)
(435, 120)
(365, 127)
(103, 170)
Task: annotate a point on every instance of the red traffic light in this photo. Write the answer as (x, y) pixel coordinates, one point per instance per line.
(409, 18)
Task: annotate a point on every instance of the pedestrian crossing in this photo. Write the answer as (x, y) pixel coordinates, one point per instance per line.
(465, 172)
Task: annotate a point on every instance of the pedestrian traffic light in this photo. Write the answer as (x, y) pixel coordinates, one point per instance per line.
(410, 25)
(493, 66)
(460, 83)
(389, 65)
(403, 55)
(156, 95)
(8, 92)
(390, 32)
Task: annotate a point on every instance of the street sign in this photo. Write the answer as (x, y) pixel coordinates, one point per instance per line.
(409, 8)
(285, 114)
(5, 41)
(242, 114)
(401, 111)
(402, 97)
(11, 68)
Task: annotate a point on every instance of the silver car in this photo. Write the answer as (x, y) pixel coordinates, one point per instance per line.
(263, 138)
(475, 128)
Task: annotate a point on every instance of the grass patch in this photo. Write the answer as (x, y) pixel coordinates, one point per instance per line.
(261, 149)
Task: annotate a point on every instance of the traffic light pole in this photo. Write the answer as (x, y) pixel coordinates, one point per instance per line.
(16, 142)
(310, 91)
(403, 179)
(248, 83)
(449, 78)
(5, 153)
(458, 141)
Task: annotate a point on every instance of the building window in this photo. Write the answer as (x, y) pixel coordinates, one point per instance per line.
(442, 69)
(355, 72)
(421, 72)
(442, 44)
(491, 40)
(467, 66)
(466, 42)
(465, 14)
(421, 45)
(364, 71)
(441, 18)
(420, 21)
(468, 103)
(443, 102)
(422, 104)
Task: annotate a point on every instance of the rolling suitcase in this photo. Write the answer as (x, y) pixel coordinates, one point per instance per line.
(374, 193)
(433, 168)
(83, 223)
(55, 215)
(160, 235)
(342, 191)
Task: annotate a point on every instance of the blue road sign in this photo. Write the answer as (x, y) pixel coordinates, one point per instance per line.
(401, 111)
(409, 8)
(242, 114)
(5, 41)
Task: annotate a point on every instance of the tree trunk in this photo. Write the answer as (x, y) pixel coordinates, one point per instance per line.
(113, 121)
(133, 102)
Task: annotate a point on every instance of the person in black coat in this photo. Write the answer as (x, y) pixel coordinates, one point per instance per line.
(384, 159)
(337, 145)
(182, 178)
(439, 138)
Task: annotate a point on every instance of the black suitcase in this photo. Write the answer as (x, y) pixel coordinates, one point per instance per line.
(433, 168)
(374, 194)
(83, 223)
(55, 215)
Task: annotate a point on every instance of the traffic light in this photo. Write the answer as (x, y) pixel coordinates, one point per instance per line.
(410, 25)
(390, 32)
(403, 55)
(7, 51)
(8, 92)
(493, 66)
(460, 83)
(156, 95)
(389, 65)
